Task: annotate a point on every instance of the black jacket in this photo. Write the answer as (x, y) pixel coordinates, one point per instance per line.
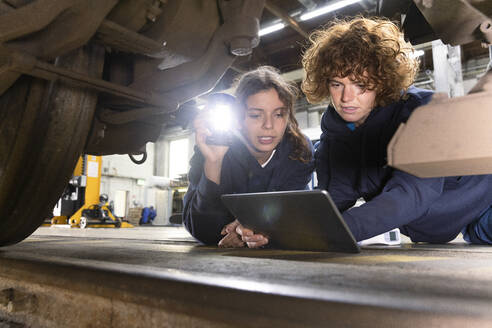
(352, 164)
(204, 215)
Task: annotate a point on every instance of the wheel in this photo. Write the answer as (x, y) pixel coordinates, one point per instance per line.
(43, 129)
(83, 222)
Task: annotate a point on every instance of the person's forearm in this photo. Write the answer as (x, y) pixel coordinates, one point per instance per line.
(404, 199)
(204, 224)
(212, 170)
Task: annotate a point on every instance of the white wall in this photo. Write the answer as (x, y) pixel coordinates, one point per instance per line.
(122, 166)
(120, 173)
(163, 197)
(469, 84)
(163, 148)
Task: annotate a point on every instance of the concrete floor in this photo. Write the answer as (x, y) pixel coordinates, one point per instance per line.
(407, 285)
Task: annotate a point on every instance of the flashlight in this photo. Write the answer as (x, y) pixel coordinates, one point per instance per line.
(220, 118)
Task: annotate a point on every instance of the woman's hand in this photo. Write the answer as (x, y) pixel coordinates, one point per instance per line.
(238, 236)
(250, 238)
(231, 239)
(213, 154)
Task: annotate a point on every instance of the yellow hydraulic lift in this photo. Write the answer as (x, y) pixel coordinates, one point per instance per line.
(81, 204)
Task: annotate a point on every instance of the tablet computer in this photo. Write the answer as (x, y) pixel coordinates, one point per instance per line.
(300, 220)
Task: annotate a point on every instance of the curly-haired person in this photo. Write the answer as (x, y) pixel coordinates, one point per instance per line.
(366, 69)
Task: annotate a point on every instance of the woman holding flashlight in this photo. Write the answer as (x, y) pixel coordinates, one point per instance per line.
(266, 152)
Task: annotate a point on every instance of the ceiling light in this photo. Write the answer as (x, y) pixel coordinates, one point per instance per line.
(271, 29)
(329, 8)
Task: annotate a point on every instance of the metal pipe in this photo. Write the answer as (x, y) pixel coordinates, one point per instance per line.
(286, 18)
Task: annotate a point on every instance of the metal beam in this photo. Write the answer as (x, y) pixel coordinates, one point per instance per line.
(309, 4)
(15, 61)
(280, 13)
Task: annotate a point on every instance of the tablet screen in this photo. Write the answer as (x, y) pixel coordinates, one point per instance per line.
(301, 220)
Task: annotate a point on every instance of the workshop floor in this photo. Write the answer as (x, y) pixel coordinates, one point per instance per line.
(434, 285)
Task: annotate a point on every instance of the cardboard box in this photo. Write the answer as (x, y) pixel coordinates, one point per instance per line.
(447, 137)
(134, 215)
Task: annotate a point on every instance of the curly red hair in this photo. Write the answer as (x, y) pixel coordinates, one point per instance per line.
(369, 50)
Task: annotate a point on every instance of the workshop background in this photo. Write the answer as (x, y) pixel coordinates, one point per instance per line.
(161, 180)
(71, 273)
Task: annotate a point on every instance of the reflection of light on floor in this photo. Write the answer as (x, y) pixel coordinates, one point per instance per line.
(166, 248)
(64, 241)
(37, 240)
(382, 259)
(484, 272)
(271, 212)
(262, 252)
(143, 233)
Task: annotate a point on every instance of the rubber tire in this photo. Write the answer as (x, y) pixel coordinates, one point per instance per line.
(43, 129)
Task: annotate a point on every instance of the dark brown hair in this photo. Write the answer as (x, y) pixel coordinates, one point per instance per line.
(266, 78)
(347, 48)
